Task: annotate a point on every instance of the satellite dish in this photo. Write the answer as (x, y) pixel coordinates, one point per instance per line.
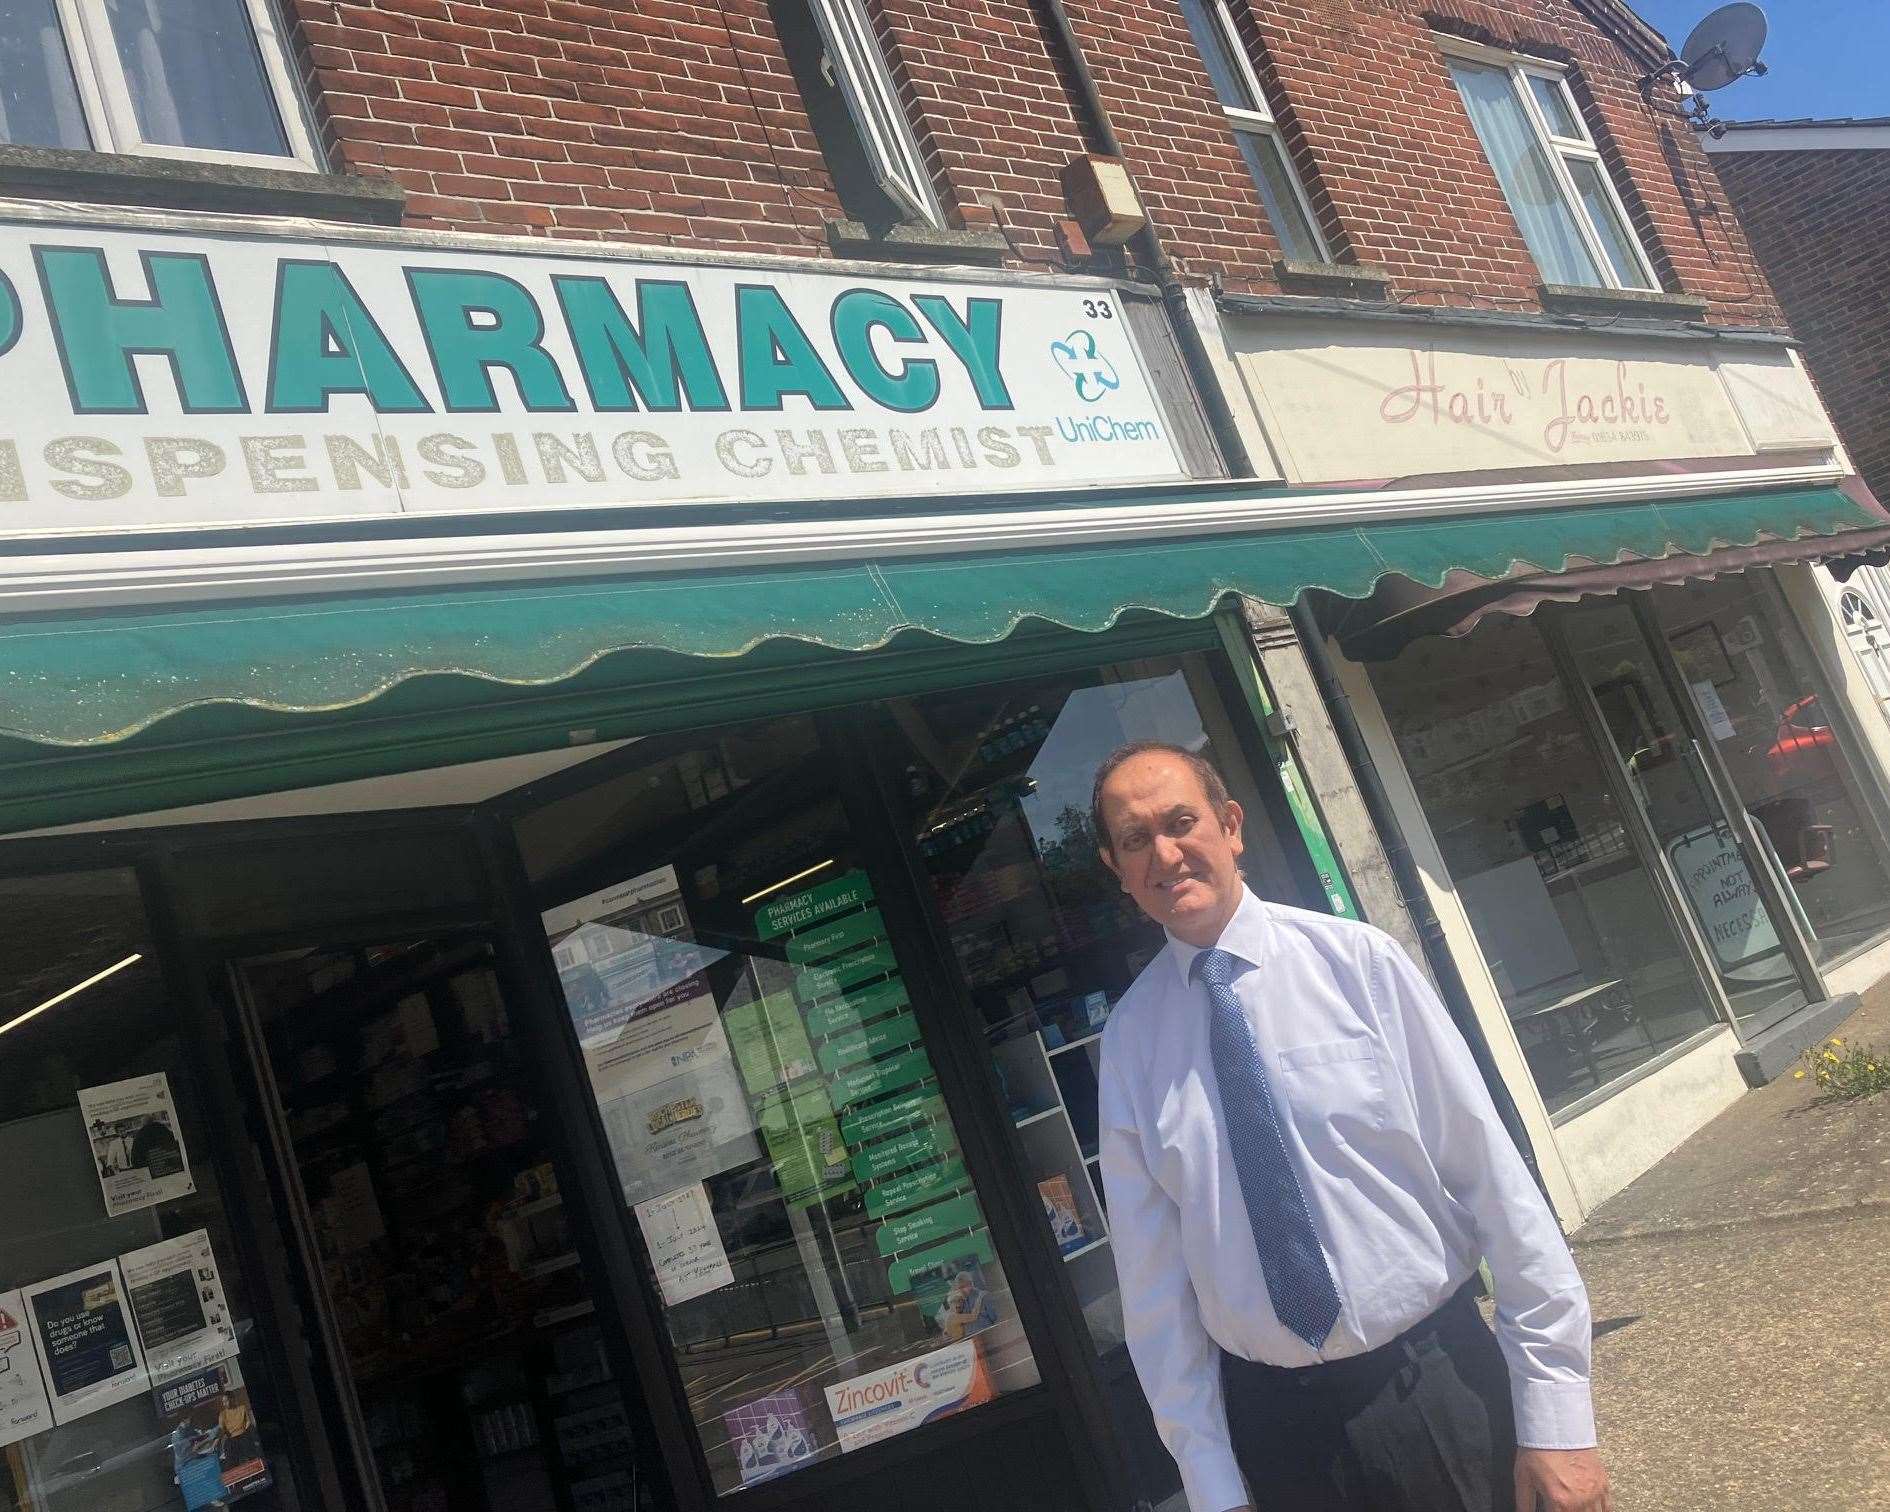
(1724, 47)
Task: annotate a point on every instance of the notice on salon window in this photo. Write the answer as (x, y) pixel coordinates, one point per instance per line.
(81, 1326)
(685, 1247)
(137, 1143)
(177, 1299)
(24, 1408)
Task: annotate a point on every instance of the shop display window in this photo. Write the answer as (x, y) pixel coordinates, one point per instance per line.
(727, 955)
(1768, 707)
(1573, 924)
(136, 1371)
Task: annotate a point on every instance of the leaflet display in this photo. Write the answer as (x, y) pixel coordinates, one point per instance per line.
(82, 1329)
(177, 1298)
(24, 1408)
(137, 1143)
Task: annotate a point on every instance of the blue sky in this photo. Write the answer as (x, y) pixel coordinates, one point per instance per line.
(1827, 57)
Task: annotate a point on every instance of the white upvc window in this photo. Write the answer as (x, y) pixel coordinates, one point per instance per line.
(203, 80)
(872, 100)
(1552, 174)
(1244, 103)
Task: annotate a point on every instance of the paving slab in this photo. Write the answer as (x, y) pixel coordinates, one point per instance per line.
(1741, 1291)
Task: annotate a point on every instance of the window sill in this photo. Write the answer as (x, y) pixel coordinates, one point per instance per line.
(1341, 280)
(1573, 299)
(170, 184)
(913, 242)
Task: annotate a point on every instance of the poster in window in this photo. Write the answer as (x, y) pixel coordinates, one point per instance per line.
(137, 1143)
(905, 1396)
(82, 1329)
(24, 1409)
(177, 1301)
(771, 1435)
(639, 991)
(216, 1449)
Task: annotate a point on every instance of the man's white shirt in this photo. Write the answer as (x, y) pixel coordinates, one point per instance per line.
(1409, 1174)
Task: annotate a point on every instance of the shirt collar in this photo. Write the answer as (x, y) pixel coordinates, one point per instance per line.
(1244, 937)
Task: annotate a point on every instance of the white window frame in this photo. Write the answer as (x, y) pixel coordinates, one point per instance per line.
(872, 99)
(1559, 149)
(111, 119)
(1257, 119)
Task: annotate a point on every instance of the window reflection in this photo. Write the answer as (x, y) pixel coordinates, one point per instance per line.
(771, 1103)
(1590, 968)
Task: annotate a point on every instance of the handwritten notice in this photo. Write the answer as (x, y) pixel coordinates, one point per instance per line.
(1718, 886)
(24, 1410)
(685, 1247)
(82, 1329)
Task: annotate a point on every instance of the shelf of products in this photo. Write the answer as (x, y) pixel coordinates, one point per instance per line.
(446, 1245)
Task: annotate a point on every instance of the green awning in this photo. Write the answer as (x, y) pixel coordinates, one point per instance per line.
(94, 679)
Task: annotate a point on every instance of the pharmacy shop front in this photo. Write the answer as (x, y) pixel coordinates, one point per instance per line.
(554, 945)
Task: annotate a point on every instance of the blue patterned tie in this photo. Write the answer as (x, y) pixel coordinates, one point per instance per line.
(1298, 1280)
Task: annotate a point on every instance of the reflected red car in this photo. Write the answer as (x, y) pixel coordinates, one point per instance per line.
(1804, 750)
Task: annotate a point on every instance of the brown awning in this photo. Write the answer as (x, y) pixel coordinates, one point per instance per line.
(1400, 610)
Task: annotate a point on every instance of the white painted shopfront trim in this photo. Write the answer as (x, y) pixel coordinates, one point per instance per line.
(1605, 1148)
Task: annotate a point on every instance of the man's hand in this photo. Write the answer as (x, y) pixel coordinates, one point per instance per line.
(1562, 1480)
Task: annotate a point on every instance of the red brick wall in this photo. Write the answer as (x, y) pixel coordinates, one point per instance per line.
(1818, 222)
(1387, 153)
(678, 122)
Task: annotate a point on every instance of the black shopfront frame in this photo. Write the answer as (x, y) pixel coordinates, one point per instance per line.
(1006, 1437)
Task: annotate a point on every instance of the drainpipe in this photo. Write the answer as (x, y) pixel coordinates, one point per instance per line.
(1207, 385)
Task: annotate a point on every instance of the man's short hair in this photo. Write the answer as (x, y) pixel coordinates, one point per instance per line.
(1212, 783)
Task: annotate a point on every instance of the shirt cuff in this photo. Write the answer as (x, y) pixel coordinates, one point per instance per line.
(1213, 1481)
(1553, 1414)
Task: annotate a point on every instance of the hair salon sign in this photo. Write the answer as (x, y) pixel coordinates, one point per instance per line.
(1382, 405)
(157, 378)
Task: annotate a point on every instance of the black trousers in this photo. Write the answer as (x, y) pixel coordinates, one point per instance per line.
(1422, 1424)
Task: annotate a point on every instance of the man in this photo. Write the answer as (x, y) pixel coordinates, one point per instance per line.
(1303, 1169)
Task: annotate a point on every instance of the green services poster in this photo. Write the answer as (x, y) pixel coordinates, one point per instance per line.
(894, 1116)
(859, 1083)
(869, 1044)
(904, 1272)
(907, 1150)
(839, 1014)
(810, 1158)
(836, 976)
(830, 939)
(929, 1225)
(770, 1043)
(909, 1191)
(810, 906)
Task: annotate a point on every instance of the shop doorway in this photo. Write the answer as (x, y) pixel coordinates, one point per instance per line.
(1705, 845)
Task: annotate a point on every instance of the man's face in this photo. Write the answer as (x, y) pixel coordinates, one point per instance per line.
(1172, 852)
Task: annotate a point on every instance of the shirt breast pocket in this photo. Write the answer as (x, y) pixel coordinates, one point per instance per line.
(1338, 1083)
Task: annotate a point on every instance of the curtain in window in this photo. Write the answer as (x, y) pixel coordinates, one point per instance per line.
(196, 76)
(39, 102)
(1522, 168)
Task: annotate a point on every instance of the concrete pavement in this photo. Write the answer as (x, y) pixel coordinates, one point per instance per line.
(1742, 1308)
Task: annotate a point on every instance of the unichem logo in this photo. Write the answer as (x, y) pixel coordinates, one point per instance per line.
(1092, 374)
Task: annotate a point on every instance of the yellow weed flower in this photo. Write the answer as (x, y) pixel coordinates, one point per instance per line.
(1798, 1076)
(1830, 1057)
(1836, 1041)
